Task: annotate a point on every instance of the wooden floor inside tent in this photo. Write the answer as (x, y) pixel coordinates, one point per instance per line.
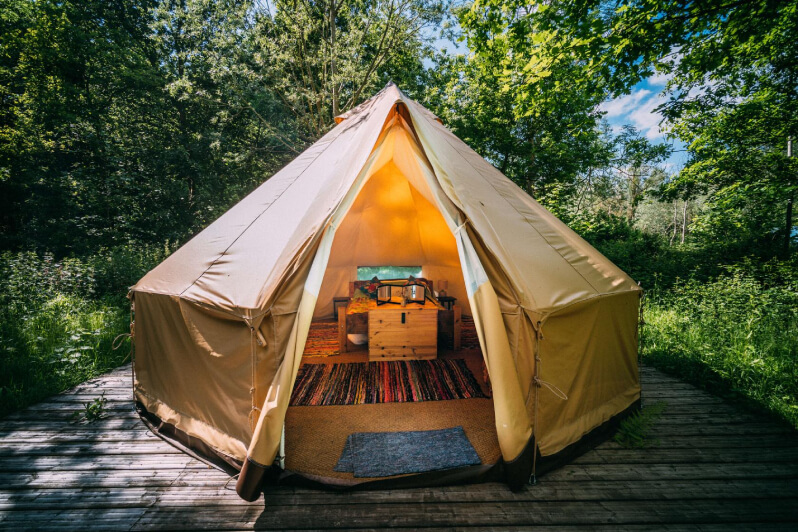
(716, 468)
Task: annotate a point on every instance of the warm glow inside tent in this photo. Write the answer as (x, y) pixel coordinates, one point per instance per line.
(222, 324)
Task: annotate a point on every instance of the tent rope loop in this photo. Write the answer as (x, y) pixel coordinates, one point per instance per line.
(462, 225)
(252, 420)
(553, 388)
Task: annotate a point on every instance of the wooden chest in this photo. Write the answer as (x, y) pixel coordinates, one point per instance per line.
(403, 333)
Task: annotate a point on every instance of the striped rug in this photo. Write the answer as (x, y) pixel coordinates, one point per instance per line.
(468, 334)
(322, 339)
(384, 382)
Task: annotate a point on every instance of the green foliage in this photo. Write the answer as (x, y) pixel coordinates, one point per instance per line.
(731, 95)
(633, 433)
(92, 411)
(58, 319)
(323, 58)
(540, 129)
(736, 335)
(130, 121)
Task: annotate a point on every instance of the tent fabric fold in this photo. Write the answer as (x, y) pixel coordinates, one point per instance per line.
(221, 324)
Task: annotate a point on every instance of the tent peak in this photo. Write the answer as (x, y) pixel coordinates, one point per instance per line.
(390, 87)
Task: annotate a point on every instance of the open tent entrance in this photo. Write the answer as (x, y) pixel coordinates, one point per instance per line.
(363, 373)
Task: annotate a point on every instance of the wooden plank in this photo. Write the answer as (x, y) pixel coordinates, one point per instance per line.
(87, 449)
(218, 494)
(473, 514)
(688, 429)
(688, 455)
(77, 434)
(717, 441)
(82, 463)
(118, 479)
(63, 424)
(715, 466)
(676, 471)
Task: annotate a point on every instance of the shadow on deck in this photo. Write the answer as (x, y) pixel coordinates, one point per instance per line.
(715, 467)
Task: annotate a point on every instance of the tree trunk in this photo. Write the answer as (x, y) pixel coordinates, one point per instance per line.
(634, 190)
(684, 220)
(675, 222)
(788, 218)
(333, 82)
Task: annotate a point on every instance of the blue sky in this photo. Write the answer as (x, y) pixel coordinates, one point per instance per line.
(637, 109)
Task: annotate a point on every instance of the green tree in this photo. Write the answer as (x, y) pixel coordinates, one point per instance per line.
(324, 57)
(131, 120)
(66, 65)
(732, 69)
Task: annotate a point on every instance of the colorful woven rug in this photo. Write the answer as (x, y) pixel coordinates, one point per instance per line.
(468, 334)
(384, 382)
(322, 339)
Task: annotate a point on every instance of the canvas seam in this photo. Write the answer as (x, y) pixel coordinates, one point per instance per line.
(601, 295)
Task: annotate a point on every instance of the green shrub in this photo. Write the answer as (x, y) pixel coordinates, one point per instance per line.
(58, 318)
(117, 269)
(49, 347)
(736, 335)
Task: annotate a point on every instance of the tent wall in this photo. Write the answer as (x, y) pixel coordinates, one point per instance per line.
(193, 370)
(589, 351)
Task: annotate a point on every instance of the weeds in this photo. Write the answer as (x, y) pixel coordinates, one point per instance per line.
(58, 319)
(736, 336)
(92, 411)
(633, 431)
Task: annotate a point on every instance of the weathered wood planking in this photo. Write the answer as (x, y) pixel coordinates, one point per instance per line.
(715, 467)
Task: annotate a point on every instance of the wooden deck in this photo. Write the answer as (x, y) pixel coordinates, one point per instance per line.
(715, 468)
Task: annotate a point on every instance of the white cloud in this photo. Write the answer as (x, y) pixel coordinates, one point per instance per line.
(659, 80)
(636, 109)
(620, 107)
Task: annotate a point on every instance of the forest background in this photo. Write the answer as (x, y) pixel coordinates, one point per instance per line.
(126, 126)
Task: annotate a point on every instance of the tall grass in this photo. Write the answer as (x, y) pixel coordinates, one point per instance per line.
(736, 336)
(58, 319)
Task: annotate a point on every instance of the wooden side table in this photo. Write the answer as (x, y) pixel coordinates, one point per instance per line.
(448, 302)
(449, 324)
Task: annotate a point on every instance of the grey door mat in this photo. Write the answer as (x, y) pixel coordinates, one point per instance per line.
(384, 454)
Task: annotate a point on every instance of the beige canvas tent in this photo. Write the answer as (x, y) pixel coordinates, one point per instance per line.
(220, 326)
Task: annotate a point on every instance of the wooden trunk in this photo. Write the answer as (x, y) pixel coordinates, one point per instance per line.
(402, 333)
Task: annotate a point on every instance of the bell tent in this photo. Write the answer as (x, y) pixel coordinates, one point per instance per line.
(221, 325)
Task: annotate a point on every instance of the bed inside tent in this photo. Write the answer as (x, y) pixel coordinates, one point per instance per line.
(392, 222)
